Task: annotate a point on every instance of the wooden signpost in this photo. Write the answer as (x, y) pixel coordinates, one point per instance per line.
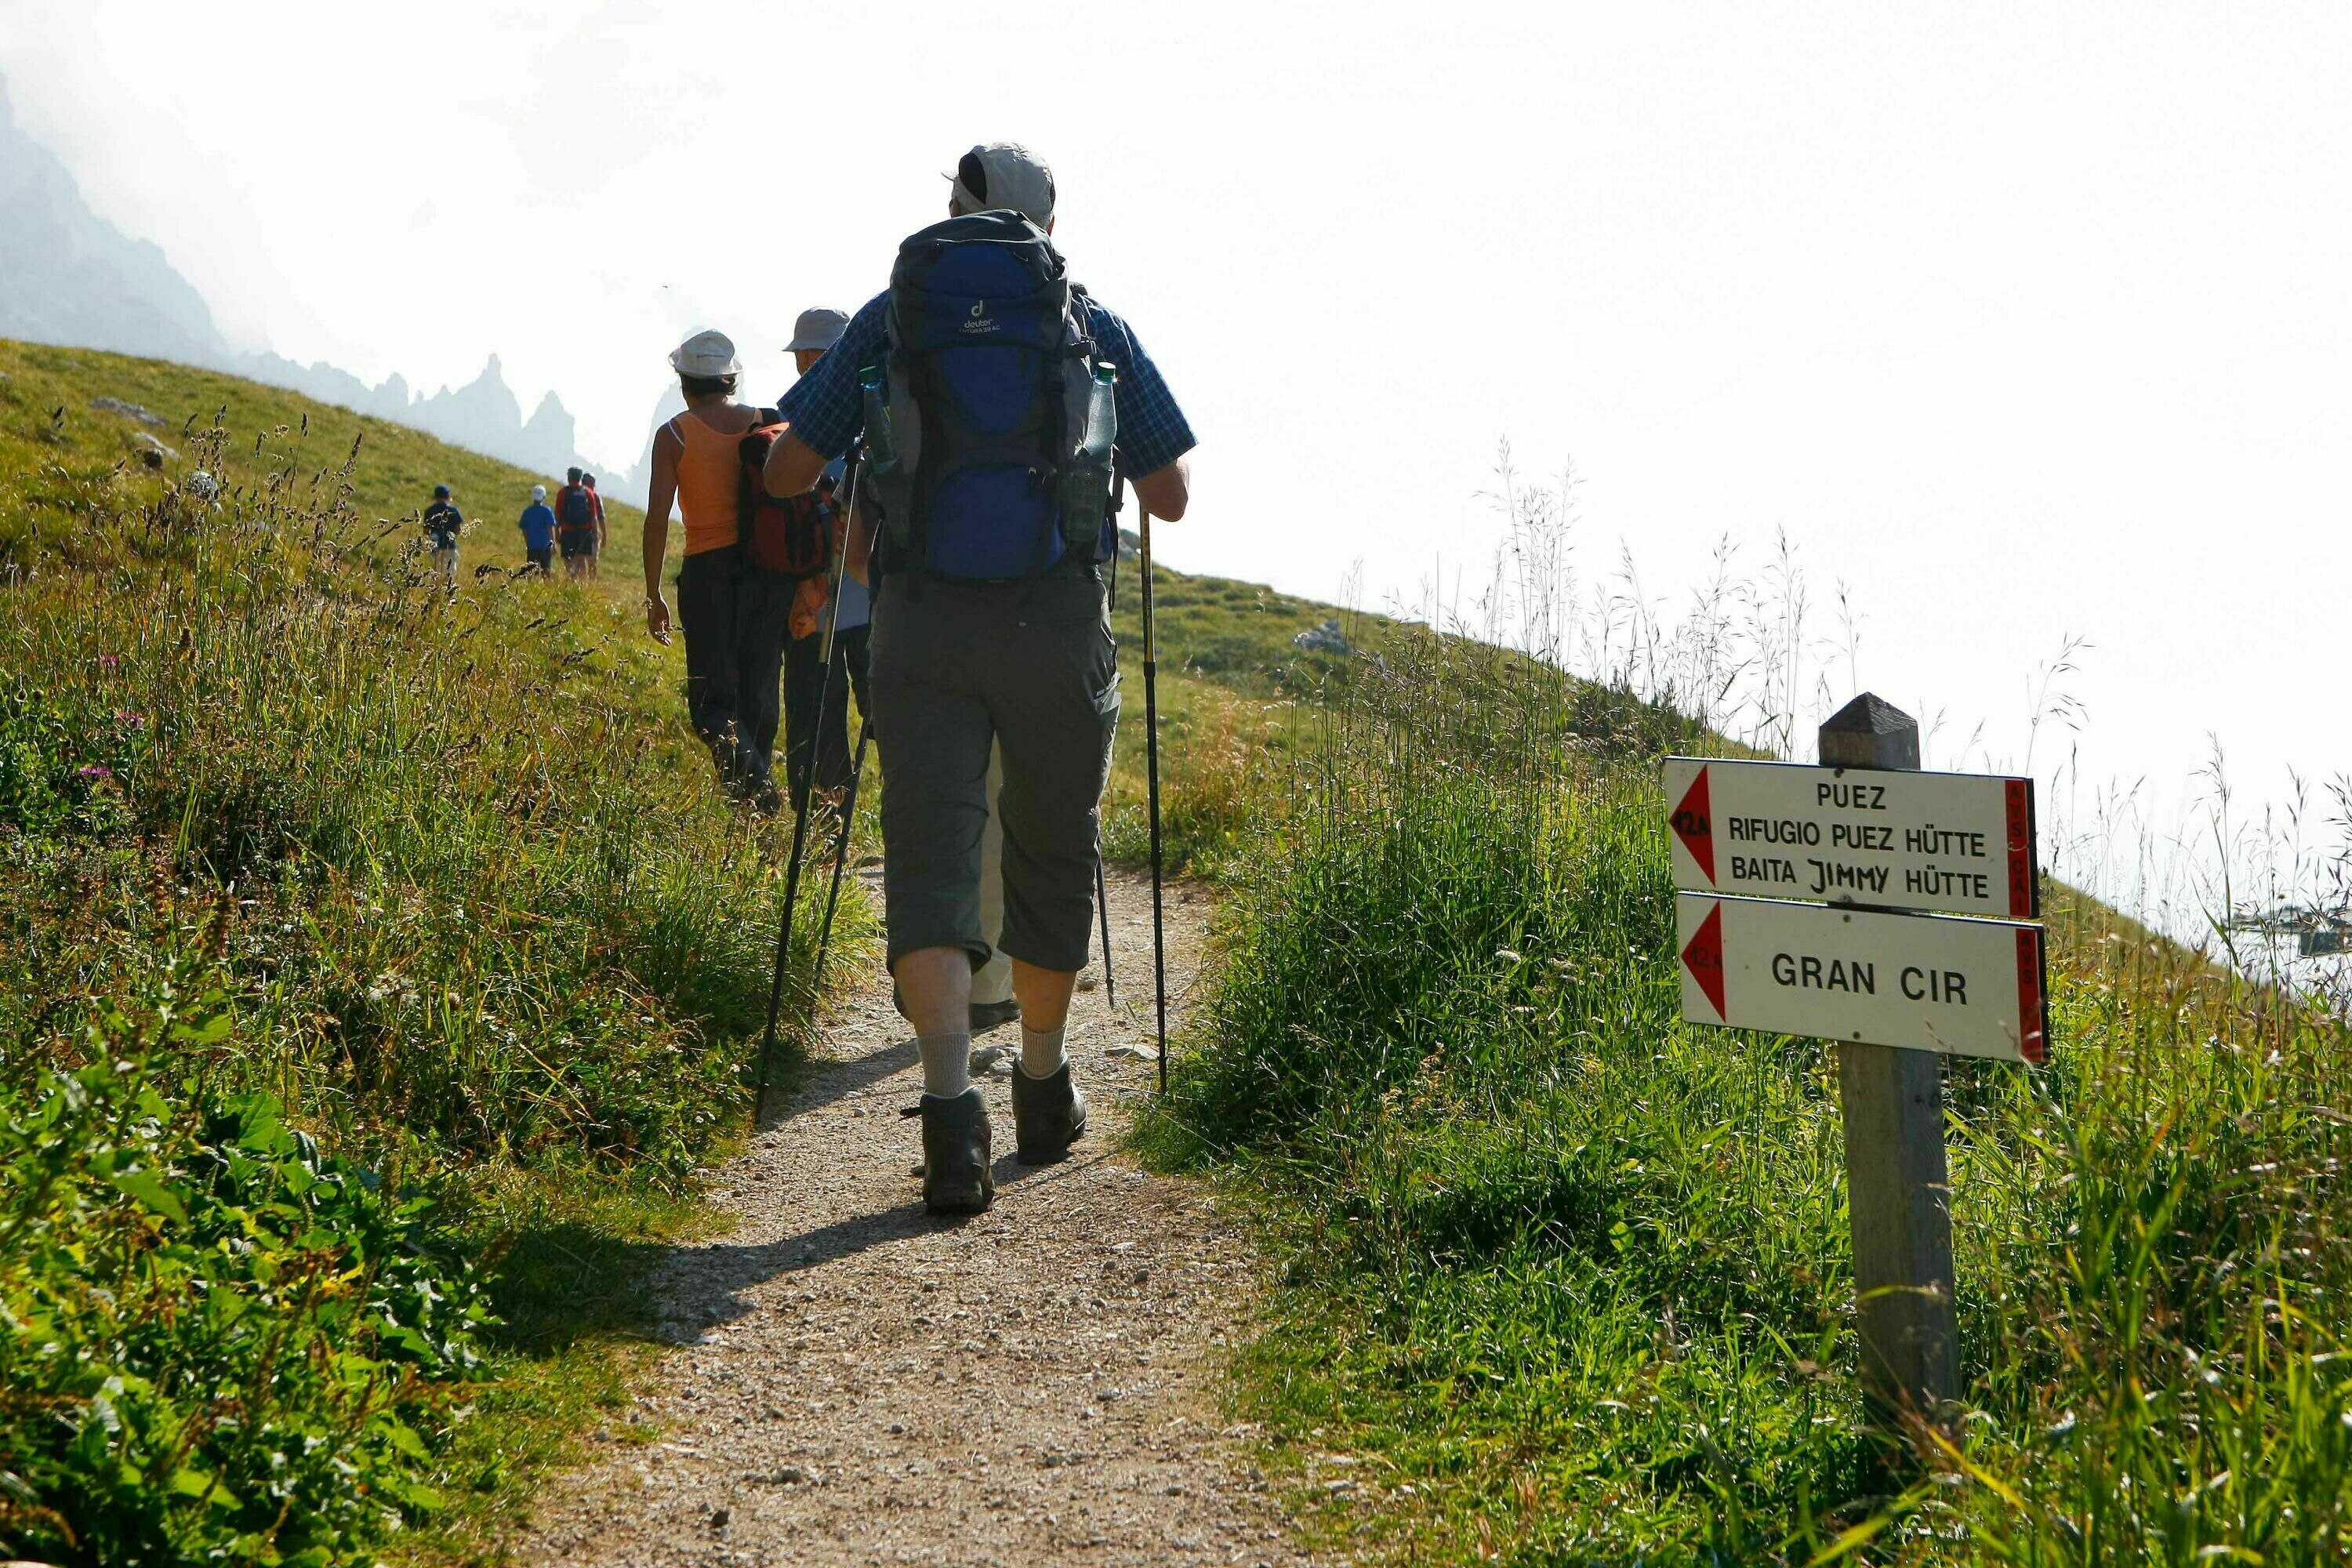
(1861, 863)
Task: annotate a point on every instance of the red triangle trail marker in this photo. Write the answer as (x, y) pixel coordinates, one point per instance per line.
(1693, 823)
(1704, 956)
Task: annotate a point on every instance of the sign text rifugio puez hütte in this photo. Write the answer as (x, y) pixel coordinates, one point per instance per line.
(1933, 982)
(1954, 843)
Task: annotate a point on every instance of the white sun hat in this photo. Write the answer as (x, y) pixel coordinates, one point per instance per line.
(539, 492)
(817, 328)
(705, 353)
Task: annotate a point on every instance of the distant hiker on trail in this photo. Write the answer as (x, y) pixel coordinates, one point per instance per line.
(596, 545)
(732, 613)
(986, 367)
(537, 527)
(575, 524)
(810, 689)
(443, 523)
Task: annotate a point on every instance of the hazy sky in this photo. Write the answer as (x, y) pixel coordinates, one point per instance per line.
(2021, 321)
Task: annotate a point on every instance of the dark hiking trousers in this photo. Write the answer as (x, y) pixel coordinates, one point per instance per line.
(734, 621)
(804, 681)
(1032, 666)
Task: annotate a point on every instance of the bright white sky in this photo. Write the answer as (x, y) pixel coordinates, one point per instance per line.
(2023, 321)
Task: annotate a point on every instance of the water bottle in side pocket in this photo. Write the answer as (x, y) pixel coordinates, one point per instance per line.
(1085, 477)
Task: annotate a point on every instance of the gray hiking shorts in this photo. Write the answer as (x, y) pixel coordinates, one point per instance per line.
(1032, 666)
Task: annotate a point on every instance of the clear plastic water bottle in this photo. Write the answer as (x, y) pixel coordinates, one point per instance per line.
(1086, 482)
(1102, 416)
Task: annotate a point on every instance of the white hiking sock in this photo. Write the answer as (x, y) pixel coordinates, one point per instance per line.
(1042, 1051)
(946, 1063)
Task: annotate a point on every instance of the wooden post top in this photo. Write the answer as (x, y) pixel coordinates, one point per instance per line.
(1870, 732)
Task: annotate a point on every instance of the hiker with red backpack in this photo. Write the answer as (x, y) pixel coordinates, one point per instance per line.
(596, 542)
(733, 598)
(983, 381)
(575, 524)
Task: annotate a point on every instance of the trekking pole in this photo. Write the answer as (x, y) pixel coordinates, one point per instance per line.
(1151, 771)
(800, 828)
(841, 853)
(1102, 903)
(1102, 884)
(849, 796)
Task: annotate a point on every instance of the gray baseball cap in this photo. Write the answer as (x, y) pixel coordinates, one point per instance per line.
(817, 328)
(1000, 174)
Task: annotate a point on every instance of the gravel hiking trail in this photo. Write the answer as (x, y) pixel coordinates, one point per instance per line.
(854, 1381)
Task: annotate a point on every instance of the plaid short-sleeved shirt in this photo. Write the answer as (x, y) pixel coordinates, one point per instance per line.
(823, 407)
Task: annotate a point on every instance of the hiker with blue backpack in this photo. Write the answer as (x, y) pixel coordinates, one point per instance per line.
(990, 392)
(443, 523)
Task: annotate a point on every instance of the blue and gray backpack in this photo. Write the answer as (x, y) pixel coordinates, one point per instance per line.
(993, 460)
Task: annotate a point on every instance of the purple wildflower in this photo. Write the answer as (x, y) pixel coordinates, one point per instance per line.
(95, 770)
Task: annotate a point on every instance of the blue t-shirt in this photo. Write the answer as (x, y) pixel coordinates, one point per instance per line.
(854, 608)
(537, 527)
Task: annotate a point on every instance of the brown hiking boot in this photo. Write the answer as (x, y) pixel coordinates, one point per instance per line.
(1049, 1114)
(955, 1154)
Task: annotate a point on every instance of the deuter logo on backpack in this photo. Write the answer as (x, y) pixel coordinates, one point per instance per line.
(1002, 434)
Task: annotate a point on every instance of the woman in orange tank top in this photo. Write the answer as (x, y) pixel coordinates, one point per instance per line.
(734, 619)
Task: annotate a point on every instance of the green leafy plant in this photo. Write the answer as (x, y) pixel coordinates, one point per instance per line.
(216, 1342)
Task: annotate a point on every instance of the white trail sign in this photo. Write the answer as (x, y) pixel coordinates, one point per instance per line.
(1961, 844)
(1965, 987)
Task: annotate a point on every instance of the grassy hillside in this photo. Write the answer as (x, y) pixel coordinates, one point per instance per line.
(376, 968)
(1229, 684)
(1566, 1280)
(1227, 666)
(375, 971)
(54, 446)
